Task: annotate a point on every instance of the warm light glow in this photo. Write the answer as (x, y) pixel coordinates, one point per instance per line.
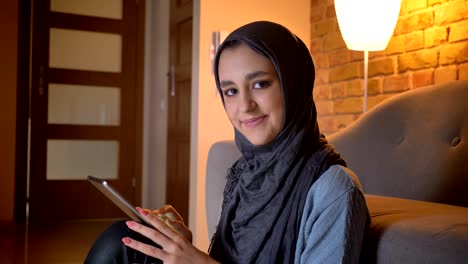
(367, 24)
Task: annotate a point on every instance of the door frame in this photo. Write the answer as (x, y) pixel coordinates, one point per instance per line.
(22, 111)
(23, 106)
(178, 15)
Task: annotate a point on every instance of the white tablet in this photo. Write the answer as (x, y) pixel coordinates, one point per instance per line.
(117, 199)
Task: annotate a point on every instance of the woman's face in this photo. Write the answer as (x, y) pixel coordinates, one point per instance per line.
(252, 93)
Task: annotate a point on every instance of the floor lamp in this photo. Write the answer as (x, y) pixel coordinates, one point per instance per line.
(367, 25)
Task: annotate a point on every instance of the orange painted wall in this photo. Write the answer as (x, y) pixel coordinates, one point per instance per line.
(209, 121)
(8, 70)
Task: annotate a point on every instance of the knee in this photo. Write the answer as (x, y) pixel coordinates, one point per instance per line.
(108, 246)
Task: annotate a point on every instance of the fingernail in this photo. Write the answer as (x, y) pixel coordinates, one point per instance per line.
(142, 211)
(130, 223)
(126, 240)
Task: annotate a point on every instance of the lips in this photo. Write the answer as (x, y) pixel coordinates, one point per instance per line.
(252, 122)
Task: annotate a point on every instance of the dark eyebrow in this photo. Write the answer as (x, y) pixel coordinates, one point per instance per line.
(225, 84)
(254, 75)
(248, 77)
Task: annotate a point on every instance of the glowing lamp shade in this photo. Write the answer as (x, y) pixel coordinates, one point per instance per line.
(367, 24)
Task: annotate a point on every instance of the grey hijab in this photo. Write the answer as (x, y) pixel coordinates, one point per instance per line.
(267, 187)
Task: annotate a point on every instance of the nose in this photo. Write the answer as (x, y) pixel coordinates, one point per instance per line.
(247, 102)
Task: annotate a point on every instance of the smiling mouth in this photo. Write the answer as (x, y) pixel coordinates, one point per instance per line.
(253, 122)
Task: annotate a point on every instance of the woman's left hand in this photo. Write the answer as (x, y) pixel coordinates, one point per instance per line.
(175, 248)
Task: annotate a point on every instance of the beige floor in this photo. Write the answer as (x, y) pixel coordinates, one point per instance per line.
(48, 243)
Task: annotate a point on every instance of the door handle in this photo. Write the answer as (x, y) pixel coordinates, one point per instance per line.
(41, 80)
(173, 80)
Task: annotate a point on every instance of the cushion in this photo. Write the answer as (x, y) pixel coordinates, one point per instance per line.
(409, 231)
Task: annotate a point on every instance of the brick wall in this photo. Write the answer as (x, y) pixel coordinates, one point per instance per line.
(429, 46)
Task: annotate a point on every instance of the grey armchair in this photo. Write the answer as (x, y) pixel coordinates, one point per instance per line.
(411, 156)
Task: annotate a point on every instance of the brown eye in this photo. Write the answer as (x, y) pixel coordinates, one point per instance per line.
(261, 84)
(230, 92)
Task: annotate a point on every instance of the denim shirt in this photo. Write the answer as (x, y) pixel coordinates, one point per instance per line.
(334, 219)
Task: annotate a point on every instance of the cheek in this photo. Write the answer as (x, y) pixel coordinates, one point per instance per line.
(230, 110)
(277, 108)
(279, 115)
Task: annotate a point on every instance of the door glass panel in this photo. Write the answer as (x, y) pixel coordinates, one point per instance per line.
(83, 105)
(76, 159)
(85, 50)
(99, 8)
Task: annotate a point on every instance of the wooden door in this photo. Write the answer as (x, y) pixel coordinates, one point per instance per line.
(85, 119)
(178, 145)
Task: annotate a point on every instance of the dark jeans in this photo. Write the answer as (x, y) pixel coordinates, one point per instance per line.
(108, 248)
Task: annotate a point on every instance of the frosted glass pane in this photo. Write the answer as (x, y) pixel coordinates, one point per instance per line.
(96, 8)
(83, 105)
(85, 50)
(76, 159)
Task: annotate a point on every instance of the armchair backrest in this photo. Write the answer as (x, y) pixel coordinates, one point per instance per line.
(414, 145)
(221, 156)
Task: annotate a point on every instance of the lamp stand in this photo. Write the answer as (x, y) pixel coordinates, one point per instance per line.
(366, 62)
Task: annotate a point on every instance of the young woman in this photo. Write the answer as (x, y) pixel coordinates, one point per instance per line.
(289, 198)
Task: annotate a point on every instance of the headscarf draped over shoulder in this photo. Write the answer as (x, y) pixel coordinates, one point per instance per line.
(267, 187)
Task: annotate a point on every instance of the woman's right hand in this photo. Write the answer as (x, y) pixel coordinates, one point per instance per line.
(175, 248)
(172, 218)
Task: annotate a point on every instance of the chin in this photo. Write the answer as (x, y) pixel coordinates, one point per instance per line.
(259, 141)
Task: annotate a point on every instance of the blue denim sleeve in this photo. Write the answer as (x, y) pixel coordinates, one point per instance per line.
(334, 221)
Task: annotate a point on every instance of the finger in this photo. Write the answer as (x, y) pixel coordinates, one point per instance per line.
(161, 226)
(180, 228)
(157, 212)
(144, 209)
(140, 209)
(164, 212)
(145, 248)
(162, 215)
(175, 225)
(171, 213)
(150, 233)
